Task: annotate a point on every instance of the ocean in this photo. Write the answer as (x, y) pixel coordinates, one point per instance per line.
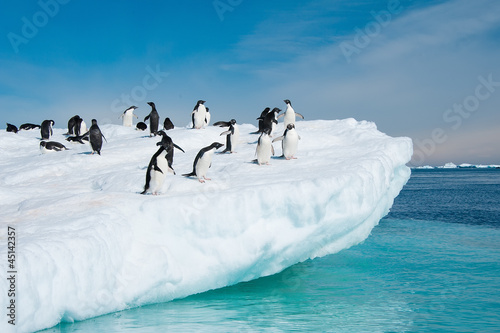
(431, 265)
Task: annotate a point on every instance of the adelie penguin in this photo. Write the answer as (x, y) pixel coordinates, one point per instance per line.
(95, 137)
(46, 129)
(270, 119)
(128, 116)
(290, 114)
(141, 126)
(290, 142)
(76, 126)
(51, 146)
(28, 126)
(199, 115)
(203, 161)
(11, 128)
(160, 163)
(265, 148)
(232, 134)
(154, 119)
(167, 124)
(261, 121)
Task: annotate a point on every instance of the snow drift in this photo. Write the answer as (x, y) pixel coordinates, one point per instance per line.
(89, 244)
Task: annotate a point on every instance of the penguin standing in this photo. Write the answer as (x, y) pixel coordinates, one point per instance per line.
(72, 124)
(95, 137)
(261, 121)
(265, 147)
(207, 116)
(290, 114)
(80, 127)
(203, 161)
(270, 119)
(160, 163)
(154, 119)
(11, 128)
(168, 124)
(128, 115)
(232, 135)
(46, 129)
(290, 142)
(51, 146)
(28, 126)
(199, 115)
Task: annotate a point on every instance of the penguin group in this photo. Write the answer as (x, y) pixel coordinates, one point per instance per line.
(162, 160)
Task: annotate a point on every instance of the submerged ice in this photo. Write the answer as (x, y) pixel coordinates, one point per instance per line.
(88, 244)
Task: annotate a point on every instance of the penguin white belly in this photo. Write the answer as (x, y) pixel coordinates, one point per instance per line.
(290, 144)
(289, 117)
(203, 164)
(199, 117)
(127, 119)
(83, 128)
(158, 178)
(46, 151)
(264, 150)
(207, 118)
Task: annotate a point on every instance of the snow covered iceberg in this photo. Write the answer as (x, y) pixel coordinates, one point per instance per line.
(88, 244)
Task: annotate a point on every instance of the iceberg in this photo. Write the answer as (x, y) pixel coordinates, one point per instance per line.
(88, 244)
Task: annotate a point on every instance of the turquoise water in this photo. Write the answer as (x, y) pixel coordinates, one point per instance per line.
(421, 270)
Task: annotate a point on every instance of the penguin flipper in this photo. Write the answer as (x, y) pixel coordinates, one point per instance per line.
(272, 150)
(279, 138)
(104, 137)
(147, 117)
(176, 146)
(281, 115)
(299, 115)
(225, 133)
(222, 123)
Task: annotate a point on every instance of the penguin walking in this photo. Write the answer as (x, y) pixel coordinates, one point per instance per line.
(265, 148)
(261, 121)
(289, 114)
(46, 129)
(154, 119)
(203, 161)
(199, 115)
(290, 142)
(95, 137)
(160, 164)
(11, 128)
(51, 146)
(28, 126)
(232, 135)
(167, 124)
(128, 116)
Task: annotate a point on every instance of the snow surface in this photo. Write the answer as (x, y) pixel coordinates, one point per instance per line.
(89, 244)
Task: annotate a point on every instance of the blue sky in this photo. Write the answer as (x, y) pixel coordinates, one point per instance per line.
(429, 70)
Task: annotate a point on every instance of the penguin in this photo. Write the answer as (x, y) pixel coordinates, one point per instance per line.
(95, 137)
(11, 128)
(28, 126)
(51, 146)
(265, 147)
(46, 129)
(169, 146)
(271, 119)
(160, 163)
(72, 124)
(78, 138)
(290, 114)
(198, 116)
(141, 126)
(261, 121)
(207, 117)
(290, 142)
(232, 135)
(128, 115)
(203, 161)
(80, 126)
(167, 124)
(154, 119)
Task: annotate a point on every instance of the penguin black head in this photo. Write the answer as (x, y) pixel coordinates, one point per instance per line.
(207, 108)
(133, 107)
(276, 110)
(216, 145)
(233, 121)
(287, 101)
(94, 122)
(151, 104)
(11, 128)
(42, 143)
(290, 126)
(201, 102)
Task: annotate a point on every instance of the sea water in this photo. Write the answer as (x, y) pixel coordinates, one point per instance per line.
(431, 265)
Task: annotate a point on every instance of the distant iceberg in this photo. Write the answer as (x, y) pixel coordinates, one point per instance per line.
(451, 165)
(89, 244)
